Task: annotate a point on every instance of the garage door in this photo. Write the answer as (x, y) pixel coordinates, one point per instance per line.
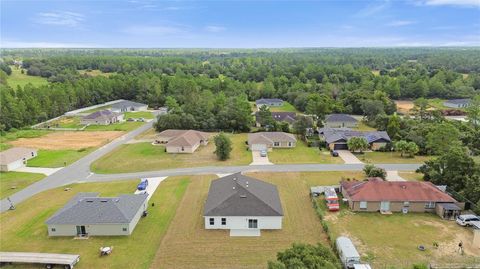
(340, 146)
(259, 147)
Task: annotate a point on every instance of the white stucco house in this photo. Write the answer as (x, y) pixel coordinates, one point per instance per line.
(86, 214)
(243, 205)
(269, 140)
(126, 105)
(15, 158)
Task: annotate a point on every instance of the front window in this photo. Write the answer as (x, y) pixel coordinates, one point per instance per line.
(430, 205)
(363, 204)
(276, 144)
(212, 221)
(124, 229)
(224, 221)
(406, 203)
(289, 144)
(253, 223)
(183, 148)
(53, 229)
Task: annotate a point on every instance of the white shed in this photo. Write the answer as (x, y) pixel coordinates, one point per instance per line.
(347, 252)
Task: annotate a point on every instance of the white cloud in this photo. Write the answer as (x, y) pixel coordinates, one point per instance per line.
(214, 28)
(153, 30)
(373, 8)
(463, 3)
(42, 44)
(60, 18)
(400, 23)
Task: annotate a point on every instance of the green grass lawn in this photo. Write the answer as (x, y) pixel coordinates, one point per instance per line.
(390, 157)
(57, 158)
(286, 107)
(19, 79)
(411, 175)
(139, 114)
(95, 73)
(363, 127)
(148, 157)
(16, 134)
(438, 104)
(125, 126)
(24, 228)
(301, 154)
(67, 122)
(11, 182)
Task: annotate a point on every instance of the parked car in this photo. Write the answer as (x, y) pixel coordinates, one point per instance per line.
(141, 119)
(334, 153)
(130, 119)
(143, 185)
(466, 220)
(263, 153)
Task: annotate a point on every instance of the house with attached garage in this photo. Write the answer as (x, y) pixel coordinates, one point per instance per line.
(288, 117)
(102, 117)
(269, 140)
(126, 105)
(337, 138)
(377, 195)
(243, 205)
(340, 121)
(15, 158)
(268, 102)
(86, 214)
(182, 141)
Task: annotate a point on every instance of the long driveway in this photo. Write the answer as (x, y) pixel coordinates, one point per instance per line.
(79, 171)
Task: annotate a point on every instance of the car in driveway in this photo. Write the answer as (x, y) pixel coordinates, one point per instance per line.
(466, 220)
(263, 153)
(143, 185)
(334, 153)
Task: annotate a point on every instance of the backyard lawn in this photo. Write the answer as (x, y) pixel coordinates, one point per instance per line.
(188, 245)
(57, 158)
(138, 114)
(148, 157)
(363, 127)
(19, 79)
(66, 122)
(11, 182)
(411, 175)
(286, 107)
(24, 228)
(125, 126)
(390, 157)
(301, 154)
(391, 241)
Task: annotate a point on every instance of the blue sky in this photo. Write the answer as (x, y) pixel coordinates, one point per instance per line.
(239, 24)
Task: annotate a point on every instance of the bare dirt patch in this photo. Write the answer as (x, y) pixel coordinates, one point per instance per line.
(68, 140)
(404, 106)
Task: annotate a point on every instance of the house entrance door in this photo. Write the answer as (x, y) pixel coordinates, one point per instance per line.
(385, 206)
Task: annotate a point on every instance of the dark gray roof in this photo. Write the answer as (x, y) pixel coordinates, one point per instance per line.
(281, 116)
(88, 208)
(458, 101)
(335, 134)
(268, 101)
(127, 103)
(239, 195)
(340, 118)
(101, 114)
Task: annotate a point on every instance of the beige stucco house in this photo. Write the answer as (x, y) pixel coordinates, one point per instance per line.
(102, 117)
(182, 141)
(269, 140)
(15, 158)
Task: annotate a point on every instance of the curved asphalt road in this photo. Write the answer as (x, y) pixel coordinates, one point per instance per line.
(79, 171)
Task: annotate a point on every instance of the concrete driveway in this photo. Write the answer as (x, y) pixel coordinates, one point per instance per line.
(259, 160)
(394, 176)
(348, 157)
(39, 170)
(153, 183)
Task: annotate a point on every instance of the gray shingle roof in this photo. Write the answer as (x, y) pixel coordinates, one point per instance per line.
(102, 114)
(266, 101)
(458, 101)
(335, 134)
(127, 103)
(239, 195)
(253, 138)
(282, 116)
(88, 208)
(340, 118)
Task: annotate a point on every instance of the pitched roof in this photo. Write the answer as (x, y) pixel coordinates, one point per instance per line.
(340, 118)
(458, 101)
(256, 138)
(15, 154)
(102, 114)
(239, 195)
(185, 138)
(88, 208)
(379, 190)
(127, 103)
(267, 101)
(281, 116)
(335, 134)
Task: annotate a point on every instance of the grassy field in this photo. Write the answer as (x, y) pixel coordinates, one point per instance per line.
(11, 182)
(95, 73)
(66, 122)
(437, 103)
(149, 157)
(125, 126)
(390, 157)
(14, 135)
(188, 245)
(24, 228)
(19, 79)
(139, 114)
(148, 134)
(391, 241)
(411, 175)
(286, 107)
(301, 154)
(57, 158)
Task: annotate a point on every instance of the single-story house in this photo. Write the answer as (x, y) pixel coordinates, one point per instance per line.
(269, 140)
(457, 103)
(288, 117)
(87, 214)
(126, 105)
(337, 138)
(340, 121)
(14, 158)
(269, 102)
(376, 195)
(243, 205)
(182, 141)
(102, 117)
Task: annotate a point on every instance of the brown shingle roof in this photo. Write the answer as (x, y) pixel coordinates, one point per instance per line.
(183, 138)
(14, 154)
(378, 190)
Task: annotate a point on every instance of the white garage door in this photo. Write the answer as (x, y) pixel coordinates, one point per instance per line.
(259, 147)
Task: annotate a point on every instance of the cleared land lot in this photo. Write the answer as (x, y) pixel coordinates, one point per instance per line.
(57, 158)
(66, 122)
(148, 157)
(404, 106)
(125, 126)
(24, 228)
(301, 154)
(19, 79)
(11, 182)
(11, 136)
(188, 245)
(390, 157)
(68, 140)
(391, 241)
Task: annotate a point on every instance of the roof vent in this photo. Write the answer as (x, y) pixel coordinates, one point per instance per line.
(233, 187)
(404, 187)
(243, 196)
(234, 178)
(103, 201)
